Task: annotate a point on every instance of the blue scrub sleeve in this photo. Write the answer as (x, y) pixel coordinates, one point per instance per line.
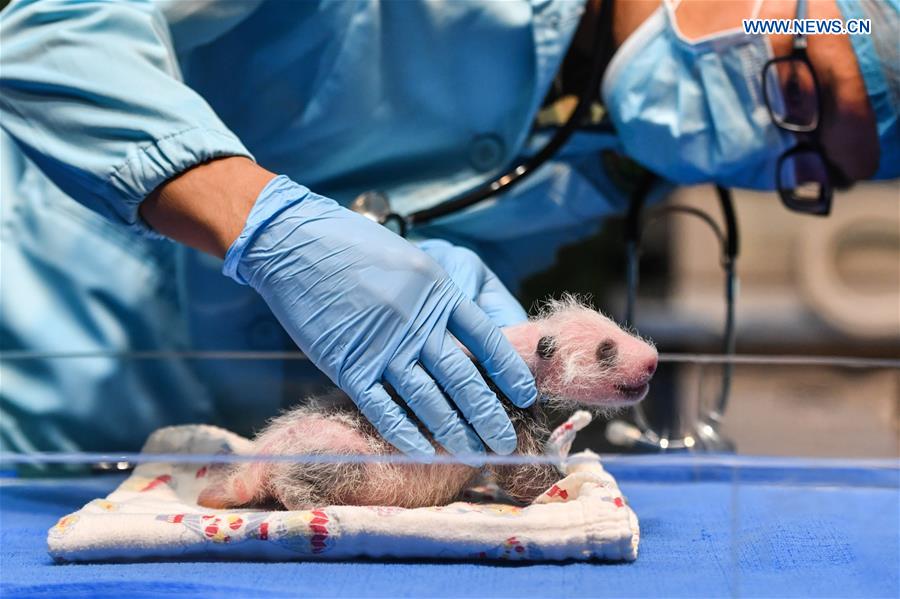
(92, 92)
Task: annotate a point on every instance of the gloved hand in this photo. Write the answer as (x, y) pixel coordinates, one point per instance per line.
(367, 306)
(476, 281)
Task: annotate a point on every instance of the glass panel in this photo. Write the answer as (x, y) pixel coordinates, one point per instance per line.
(775, 405)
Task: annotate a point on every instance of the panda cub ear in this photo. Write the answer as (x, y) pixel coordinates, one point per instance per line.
(546, 347)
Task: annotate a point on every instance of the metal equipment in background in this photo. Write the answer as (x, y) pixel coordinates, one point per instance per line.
(376, 205)
(704, 433)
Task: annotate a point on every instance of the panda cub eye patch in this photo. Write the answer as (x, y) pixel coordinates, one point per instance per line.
(607, 352)
(546, 347)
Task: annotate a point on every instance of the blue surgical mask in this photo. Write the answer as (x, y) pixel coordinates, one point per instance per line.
(694, 111)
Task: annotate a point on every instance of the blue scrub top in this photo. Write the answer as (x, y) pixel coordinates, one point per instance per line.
(103, 101)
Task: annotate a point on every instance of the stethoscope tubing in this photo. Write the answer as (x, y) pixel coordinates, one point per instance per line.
(602, 51)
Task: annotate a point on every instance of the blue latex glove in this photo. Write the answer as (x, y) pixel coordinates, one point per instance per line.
(367, 306)
(476, 281)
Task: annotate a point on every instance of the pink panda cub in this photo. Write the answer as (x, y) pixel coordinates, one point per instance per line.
(579, 358)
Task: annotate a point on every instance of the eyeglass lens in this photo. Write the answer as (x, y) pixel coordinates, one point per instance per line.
(798, 106)
(806, 173)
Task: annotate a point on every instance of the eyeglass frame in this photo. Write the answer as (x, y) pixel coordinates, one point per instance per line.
(822, 207)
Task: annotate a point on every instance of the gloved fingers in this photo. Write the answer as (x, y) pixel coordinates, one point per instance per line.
(459, 378)
(429, 404)
(477, 282)
(463, 265)
(494, 352)
(392, 422)
(498, 303)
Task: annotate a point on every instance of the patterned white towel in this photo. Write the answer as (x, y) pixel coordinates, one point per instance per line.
(154, 514)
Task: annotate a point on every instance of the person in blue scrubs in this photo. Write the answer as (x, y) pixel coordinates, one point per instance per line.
(242, 129)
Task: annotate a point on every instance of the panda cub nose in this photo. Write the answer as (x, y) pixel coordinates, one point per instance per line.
(650, 366)
(607, 352)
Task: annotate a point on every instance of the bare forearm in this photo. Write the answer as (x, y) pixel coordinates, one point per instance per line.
(206, 206)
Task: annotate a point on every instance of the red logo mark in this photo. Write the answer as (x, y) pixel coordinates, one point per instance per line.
(555, 490)
(319, 526)
(159, 480)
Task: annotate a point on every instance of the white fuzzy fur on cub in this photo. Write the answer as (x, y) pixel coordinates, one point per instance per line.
(577, 356)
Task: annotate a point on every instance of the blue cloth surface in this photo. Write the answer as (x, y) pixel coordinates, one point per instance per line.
(762, 535)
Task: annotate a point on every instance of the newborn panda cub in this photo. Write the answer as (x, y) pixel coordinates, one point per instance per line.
(579, 358)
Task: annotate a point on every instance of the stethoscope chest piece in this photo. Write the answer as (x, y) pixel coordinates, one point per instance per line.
(376, 206)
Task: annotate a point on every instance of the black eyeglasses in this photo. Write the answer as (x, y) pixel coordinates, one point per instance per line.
(804, 176)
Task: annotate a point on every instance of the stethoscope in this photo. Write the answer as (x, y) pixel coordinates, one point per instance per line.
(376, 205)
(705, 434)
